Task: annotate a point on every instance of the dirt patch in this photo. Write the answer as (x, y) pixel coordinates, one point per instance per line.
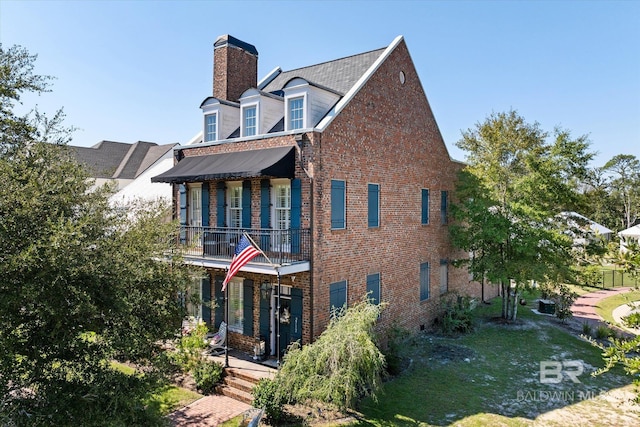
(450, 353)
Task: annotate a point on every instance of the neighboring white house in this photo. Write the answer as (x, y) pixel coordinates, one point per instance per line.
(130, 167)
(582, 228)
(631, 234)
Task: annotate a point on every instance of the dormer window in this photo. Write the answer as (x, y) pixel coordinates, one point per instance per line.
(296, 113)
(211, 127)
(249, 120)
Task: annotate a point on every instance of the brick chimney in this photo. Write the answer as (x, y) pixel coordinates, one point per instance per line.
(235, 68)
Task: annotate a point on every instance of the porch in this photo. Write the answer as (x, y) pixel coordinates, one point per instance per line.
(282, 247)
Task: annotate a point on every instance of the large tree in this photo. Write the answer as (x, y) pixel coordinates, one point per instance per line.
(509, 197)
(81, 283)
(624, 186)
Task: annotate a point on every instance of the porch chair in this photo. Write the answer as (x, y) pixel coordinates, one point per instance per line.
(217, 341)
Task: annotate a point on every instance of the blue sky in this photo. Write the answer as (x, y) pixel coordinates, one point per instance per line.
(138, 70)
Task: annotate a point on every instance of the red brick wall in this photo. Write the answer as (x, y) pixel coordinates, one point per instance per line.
(386, 135)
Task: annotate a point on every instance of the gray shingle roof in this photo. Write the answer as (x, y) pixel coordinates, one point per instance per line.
(118, 160)
(338, 75)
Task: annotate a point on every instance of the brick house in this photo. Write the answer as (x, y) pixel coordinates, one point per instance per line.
(339, 173)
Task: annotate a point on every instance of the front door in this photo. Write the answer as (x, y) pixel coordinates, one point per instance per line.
(285, 324)
(289, 320)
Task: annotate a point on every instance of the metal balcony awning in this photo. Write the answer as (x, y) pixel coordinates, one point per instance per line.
(276, 162)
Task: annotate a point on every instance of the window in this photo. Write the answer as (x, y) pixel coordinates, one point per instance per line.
(234, 190)
(373, 287)
(425, 206)
(444, 207)
(236, 305)
(211, 127)
(194, 299)
(282, 212)
(444, 276)
(195, 205)
(374, 205)
(338, 217)
(250, 121)
(337, 295)
(296, 113)
(424, 281)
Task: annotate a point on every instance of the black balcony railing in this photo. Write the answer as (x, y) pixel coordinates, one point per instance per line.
(281, 246)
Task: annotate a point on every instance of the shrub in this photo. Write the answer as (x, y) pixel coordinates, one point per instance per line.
(266, 396)
(195, 339)
(207, 375)
(189, 349)
(457, 314)
(341, 366)
(632, 320)
(591, 275)
(564, 298)
(587, 329)
(603, 332)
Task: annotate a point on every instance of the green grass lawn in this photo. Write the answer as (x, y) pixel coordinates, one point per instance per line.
(167, 398)
(492, 377)
(606, 306)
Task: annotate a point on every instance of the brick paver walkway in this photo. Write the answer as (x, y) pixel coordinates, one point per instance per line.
(208, 411)
(584, 308)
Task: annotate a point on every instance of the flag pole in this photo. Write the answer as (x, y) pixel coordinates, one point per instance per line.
(278, 322)
(226, 320)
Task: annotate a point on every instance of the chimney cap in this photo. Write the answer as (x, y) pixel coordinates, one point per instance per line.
(227, 40)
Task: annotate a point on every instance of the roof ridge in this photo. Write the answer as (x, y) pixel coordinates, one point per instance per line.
(334, 60)
(134, 147)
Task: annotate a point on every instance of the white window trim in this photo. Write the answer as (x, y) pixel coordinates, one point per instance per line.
(231, 184)
(278, 245)
(242, 120)
(206, 126)
(190, 212)
(238, 281)
(287, 99)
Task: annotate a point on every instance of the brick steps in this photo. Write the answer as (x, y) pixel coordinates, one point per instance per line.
(237, 385)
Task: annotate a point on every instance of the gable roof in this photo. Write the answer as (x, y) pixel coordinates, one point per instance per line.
(338, 75)
(118, 160)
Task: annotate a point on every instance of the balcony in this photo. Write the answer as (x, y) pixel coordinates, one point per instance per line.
(283, 247)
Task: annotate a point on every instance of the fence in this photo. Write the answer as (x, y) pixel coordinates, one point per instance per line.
(616, 278)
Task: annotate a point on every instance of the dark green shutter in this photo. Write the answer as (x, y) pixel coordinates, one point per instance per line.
(205, 204)
(373, 287)
(296, 214)
(337, 295)
(265, 319)
(337, 204)
(424, 281)
(295, 328)
(246, 204)
(247, 324)
(425, 206)
(206, 299)
(183, 212)
(265, 213)
(373, 205)
(219, 309)
(265, 203)
(221, 204)
(444, 215)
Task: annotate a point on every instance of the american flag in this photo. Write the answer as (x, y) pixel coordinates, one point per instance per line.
(245, 251)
